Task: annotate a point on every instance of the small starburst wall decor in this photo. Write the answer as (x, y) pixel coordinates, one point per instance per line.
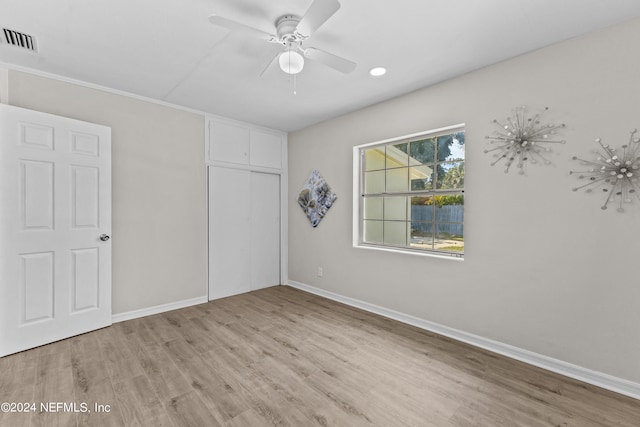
(523, 139)
(617, 172)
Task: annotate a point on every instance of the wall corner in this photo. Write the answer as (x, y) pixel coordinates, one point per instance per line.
(4, 86)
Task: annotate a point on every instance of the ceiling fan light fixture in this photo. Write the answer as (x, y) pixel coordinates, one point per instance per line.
(378, 71)
(291, 62)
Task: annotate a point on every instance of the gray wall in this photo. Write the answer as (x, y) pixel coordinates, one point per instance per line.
(545, 269)
(159, 197)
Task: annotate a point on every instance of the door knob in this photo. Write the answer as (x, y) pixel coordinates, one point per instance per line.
(104, 237)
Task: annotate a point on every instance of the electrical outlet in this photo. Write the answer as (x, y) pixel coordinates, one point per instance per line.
(320, 272)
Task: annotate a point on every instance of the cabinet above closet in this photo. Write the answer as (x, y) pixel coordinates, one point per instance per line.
(242, 144)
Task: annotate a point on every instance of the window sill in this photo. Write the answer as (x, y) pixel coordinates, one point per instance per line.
(409, 252)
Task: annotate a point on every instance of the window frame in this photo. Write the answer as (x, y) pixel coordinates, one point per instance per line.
(358, 193)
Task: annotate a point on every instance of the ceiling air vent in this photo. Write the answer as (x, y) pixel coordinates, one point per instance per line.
(18, 39)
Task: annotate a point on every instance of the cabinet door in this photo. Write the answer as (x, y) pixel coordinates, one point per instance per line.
(266, 149)
(229, 232)
(228, 143)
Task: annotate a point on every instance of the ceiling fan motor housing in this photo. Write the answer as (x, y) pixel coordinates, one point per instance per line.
(286, 27)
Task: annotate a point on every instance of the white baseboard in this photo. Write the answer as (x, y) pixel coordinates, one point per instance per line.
(609, 382)
(134, 314)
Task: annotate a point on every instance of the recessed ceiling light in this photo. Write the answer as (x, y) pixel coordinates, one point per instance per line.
(378, 71)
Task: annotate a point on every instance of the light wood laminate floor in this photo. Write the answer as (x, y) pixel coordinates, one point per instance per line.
(280, 356)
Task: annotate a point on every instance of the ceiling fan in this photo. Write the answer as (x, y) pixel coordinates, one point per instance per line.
(292, 32)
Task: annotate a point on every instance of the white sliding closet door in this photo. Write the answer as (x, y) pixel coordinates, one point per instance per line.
(244, 231)
(265, 230)
(229, 232)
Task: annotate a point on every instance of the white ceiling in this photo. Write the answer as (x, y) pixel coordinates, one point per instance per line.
(167, 49)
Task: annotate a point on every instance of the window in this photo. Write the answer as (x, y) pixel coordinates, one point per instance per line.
(410, 193)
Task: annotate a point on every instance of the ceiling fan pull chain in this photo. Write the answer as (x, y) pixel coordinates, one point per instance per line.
(294, 83)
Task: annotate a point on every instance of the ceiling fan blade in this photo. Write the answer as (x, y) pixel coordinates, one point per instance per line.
(270, 63)
(330, 60)
(233, 25)
(317, 14)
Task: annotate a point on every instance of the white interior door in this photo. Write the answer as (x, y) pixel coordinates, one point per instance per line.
(244, 231)
(55, 195)
(265, 230)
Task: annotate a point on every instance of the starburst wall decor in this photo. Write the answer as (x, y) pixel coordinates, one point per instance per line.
(617, 173)
(522, 139)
